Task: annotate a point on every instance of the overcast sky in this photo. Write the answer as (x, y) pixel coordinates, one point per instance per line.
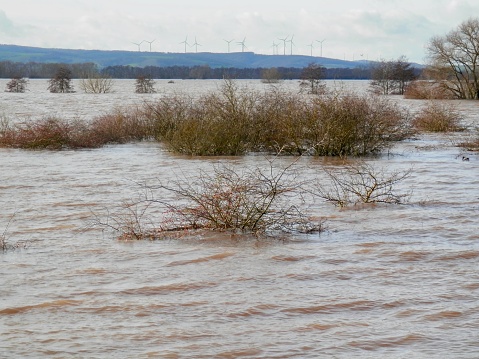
(351, 29)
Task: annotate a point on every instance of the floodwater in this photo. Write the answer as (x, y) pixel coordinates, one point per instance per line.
(383, 281)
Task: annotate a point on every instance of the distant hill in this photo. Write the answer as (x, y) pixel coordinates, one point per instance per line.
(141, 59)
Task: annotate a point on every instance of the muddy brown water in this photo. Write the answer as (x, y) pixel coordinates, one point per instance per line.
(384, 281)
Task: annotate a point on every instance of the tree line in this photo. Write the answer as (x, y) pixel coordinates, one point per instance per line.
(33, 70)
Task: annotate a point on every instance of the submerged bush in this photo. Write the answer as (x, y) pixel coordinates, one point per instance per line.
(252, 200)
(55, 134)
(472, 144)
(427, 90)
(354, 125)
(438, 117)
(49, 133)
(235, 121)
(362, 183)
(120, 126)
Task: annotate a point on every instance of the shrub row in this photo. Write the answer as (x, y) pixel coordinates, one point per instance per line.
(234, 121)
(54, 133)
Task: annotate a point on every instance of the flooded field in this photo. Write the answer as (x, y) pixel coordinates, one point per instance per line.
(382, 281)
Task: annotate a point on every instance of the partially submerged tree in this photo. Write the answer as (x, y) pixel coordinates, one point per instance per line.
(391, 77)
(270, 76)
(61, 81)
(96, 83)
(454, 60)
(145, 84)
(17, 84)
(312, 79)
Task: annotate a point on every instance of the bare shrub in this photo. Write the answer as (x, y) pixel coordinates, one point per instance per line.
(253, 200)
(362, 183)
(270, 76)
(49, 133)
(279, 124)
(438, 117)
(17, 84)
(214, 124)
(236, 121)
(342, 125)
(472, 144)
(166, 113)
(55, 134)
(427, 90)
(121, 126)
(5, 244)
(96, 84)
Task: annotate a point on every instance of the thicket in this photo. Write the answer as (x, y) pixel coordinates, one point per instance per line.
(56, 134)
(234, 121)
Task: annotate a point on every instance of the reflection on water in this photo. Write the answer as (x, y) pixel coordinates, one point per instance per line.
(382, 282)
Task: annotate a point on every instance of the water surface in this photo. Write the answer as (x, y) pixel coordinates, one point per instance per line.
(383, 281)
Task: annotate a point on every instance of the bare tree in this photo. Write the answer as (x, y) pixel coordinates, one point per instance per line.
(391, 77)
(61, 81)
(454, 59)
(96, 83)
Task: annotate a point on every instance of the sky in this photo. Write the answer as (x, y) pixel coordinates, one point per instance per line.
(341, 29)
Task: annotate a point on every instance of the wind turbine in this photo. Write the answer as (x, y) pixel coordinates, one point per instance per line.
(228, 41)
(275, 48)
(284, 44)
(196, 45)
(321, 42)
(311, 46)
(243, 46)
(138, 44)
(185, 42)
(291, 43)
(150, 42)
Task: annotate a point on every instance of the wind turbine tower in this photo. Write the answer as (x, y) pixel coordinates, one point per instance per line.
(196, 44)
(321, 42)
(243, 46)
(138, 44)
(228, 41)
(150, 42)
(185, 42)
(311, 46)
(284, 44)
(291, 44)
(275, 48)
